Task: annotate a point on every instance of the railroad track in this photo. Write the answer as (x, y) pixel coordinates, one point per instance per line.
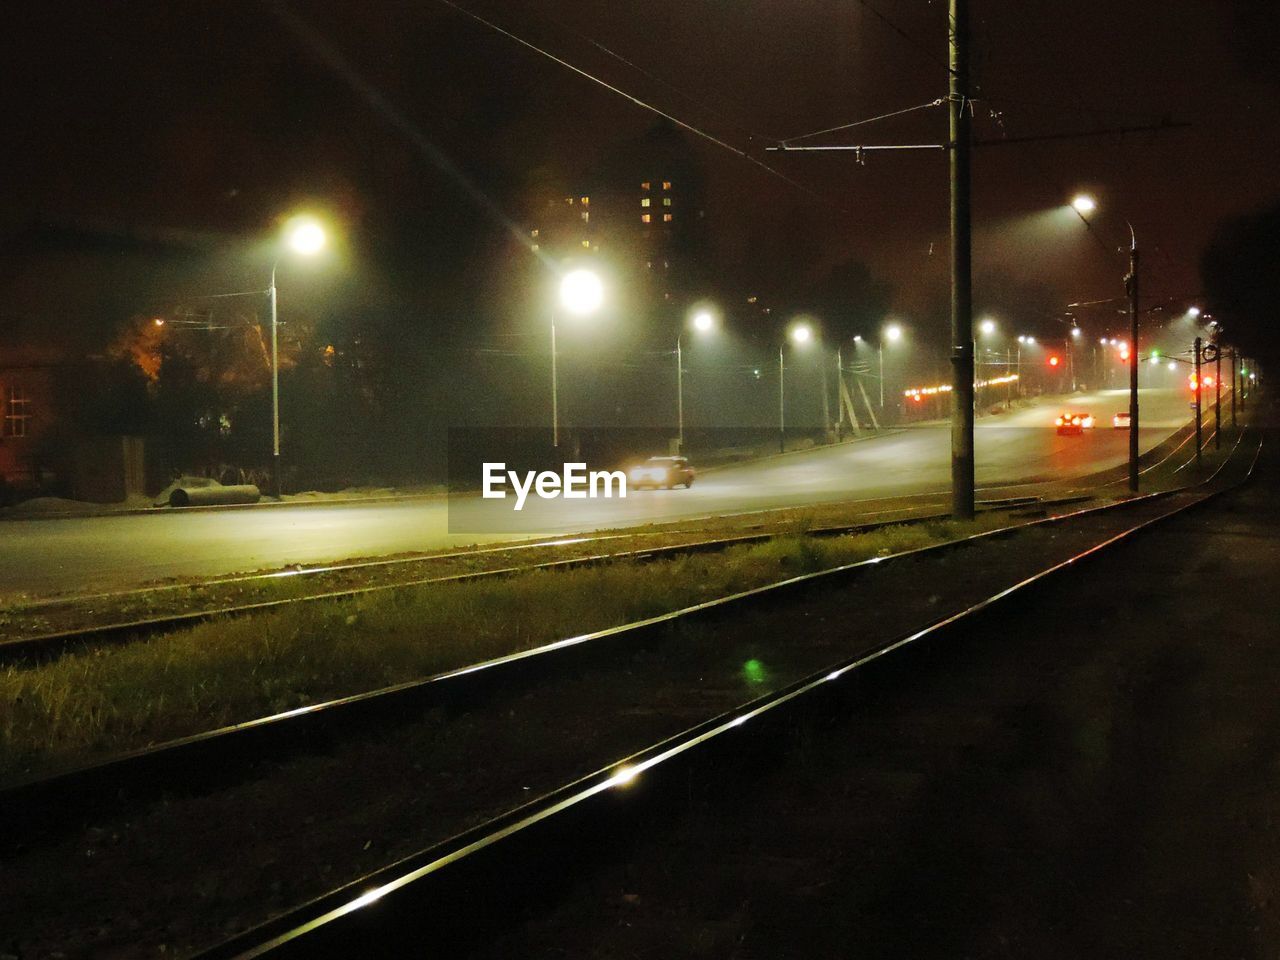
(47, 645)
(204, 760)
(444, 899)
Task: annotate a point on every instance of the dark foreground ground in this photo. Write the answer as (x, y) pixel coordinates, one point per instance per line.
(1096, 777)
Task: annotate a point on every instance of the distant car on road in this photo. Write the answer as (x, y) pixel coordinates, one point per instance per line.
(662, 472)
(1121, 420)
(1074, 423)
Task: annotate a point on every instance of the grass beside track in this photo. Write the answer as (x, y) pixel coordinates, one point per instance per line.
(91, 705)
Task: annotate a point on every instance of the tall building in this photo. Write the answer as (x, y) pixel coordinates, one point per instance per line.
(641, 210)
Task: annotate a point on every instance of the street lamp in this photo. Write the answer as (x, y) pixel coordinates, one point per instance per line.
(800, 334)
(704, 321)
(581, 293)
(1083, 205)
(987, 327)
(892, 333)
(305, 236)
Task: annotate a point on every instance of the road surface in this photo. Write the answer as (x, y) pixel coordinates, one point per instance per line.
(77, 554)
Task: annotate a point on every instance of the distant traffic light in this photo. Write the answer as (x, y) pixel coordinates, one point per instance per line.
(1053, 361)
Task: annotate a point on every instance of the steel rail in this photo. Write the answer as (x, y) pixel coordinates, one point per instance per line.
(494, 856)
(216, 755)
(51, 644)
(383, 562)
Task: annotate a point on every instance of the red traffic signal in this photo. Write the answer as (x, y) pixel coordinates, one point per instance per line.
(1053, 361)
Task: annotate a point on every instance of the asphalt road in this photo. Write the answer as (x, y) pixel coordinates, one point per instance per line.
(76, 554)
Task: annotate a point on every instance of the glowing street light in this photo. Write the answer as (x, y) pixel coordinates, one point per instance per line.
(892, 333)
(305, 236)
(704, 322)
(800, 334)
(1193, 312)
(1083, 203)
(987, 327)
(581, 293)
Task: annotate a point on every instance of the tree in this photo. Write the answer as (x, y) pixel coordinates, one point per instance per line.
(1241, 273)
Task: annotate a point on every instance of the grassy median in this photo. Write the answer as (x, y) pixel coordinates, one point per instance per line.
(90, 705)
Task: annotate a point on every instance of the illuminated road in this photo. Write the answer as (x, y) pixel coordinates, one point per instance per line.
(74, 554)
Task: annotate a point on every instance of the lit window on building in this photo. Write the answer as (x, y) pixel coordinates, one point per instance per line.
(536, 248)
(645, 185)
(752, 299)
(645, 218)
(569, 201)
(534, 234)
(17, 412)
(585, 216)
(666, 218)
(586, 243)
(585, 201)
(644, 201)
(666, 201)
(666, 184)
(648, 264)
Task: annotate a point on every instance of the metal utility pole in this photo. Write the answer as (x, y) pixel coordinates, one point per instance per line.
(881, 357)
(1217, 401)
(1233, 389)
(1199, 387)
(275, 390)
(555, 391)
(679, 397)
(839, 388)
(782, 405)
(961, 144)
(1131, 284)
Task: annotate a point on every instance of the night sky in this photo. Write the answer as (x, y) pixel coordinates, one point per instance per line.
(218, 117)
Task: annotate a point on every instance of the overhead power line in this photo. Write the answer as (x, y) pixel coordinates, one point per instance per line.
(909, 38)
(858, 123)
(633, 99)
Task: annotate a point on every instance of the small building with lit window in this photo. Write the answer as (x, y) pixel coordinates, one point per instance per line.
(27, 399)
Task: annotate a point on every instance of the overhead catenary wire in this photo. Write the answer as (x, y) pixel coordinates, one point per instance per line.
(905, 35)
(858, 123)
(711, 138)
(648, 74)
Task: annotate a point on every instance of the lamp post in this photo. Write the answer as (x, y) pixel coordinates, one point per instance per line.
(801, 333)
(892, 333)
(703, 322)
(302, 235)
(1084, 205)
(581, 293)
(1131, 285)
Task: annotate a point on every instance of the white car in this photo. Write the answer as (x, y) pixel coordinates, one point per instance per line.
(663, 472)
